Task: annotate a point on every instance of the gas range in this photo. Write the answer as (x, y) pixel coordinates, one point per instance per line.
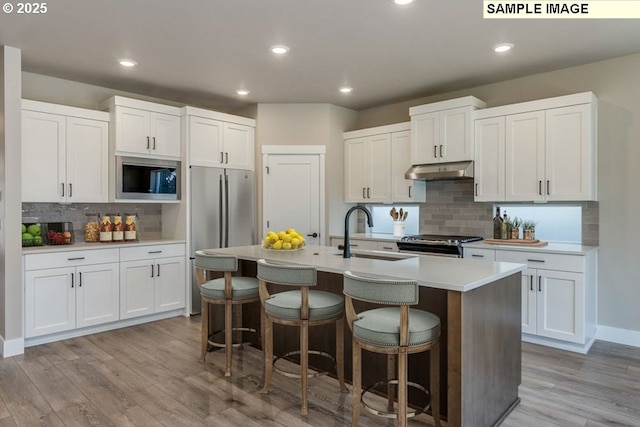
(435, 244)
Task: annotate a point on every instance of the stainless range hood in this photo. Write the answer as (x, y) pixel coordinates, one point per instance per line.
(441, 171)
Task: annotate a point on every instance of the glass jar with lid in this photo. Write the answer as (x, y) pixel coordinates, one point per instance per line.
(92, 227)
(117, 228)
(130, 227)
(106, 232)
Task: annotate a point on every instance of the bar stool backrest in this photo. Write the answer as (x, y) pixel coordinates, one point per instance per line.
(216, 262)
(286, 274)
(381, 291)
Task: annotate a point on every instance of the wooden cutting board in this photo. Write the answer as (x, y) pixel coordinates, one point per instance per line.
(515, 242)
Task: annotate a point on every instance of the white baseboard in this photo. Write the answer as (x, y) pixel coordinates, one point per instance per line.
(618, 335)
(12, 347)
(562, 345)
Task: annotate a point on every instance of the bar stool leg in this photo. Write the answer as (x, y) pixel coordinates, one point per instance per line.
(268, 353)
(340, 354)
(204, 314)
(402, 387)
(228, 338)
(435, 383)
(356, 351)
(304, 363)
(391, 374)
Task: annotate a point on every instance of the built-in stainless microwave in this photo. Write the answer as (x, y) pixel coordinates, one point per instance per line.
(147, 179)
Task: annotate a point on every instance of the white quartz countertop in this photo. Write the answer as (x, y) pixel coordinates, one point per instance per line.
(83, 246)
(559, 248)
(437, 272)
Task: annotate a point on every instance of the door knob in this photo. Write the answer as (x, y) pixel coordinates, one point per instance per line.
(313, 235)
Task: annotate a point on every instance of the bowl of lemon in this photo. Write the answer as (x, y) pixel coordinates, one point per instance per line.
(285, 240)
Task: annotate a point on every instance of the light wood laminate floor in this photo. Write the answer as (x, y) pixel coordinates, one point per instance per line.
(149, 375)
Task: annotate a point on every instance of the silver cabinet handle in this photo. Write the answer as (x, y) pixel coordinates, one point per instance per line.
(368, 192)
(72, 280)
(388, 248)
(152, 271)
(410, 196)
(477, 256)
(548, 182)
(75, 258)
(62, 185)
(364, 194)
(435, 151)
(531, 280)
(221, 157)
(80, 281)
(476, 188)
(158, 270)
(539, 283)
(540, 188)
(226, 158)
(154, 142)
(148, 143)
(441, 150)
(154, 252)
(535, 260)
(70, 190)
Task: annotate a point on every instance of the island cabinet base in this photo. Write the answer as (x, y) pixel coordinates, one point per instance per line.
(480, 348)
(484, 353)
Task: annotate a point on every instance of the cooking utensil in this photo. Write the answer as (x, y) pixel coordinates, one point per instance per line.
(401, 214)
(404, 217)
(392, 212)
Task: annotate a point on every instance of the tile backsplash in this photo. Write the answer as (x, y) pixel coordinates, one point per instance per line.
(149, 214)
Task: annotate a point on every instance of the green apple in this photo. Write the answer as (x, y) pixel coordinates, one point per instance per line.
(34, 230)
(24, 228)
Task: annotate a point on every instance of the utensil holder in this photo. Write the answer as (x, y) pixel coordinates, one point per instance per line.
(398, 228)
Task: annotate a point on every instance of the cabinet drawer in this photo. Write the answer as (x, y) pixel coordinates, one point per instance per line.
(388, 246)
(70, 259)
(368, 245)
(543, 260)
(479, 254)
(152, 251)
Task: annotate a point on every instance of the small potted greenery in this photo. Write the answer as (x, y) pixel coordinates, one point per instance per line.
(514, 226)
(529, 230)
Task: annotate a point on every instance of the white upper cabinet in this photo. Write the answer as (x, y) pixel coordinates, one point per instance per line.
(537, 151)
(64, 153)
(443, 131)
(402, 189)
(219, 140)
(376, 160)
(144, 129)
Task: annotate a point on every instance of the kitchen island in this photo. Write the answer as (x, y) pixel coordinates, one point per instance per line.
(479, 305)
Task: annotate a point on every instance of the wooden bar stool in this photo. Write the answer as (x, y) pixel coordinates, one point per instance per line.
(394, 330)
(227, 291)
(302, 308)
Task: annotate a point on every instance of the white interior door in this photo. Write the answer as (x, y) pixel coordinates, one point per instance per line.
(293, 194)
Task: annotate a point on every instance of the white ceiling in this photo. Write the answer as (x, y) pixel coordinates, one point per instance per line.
(201, 51)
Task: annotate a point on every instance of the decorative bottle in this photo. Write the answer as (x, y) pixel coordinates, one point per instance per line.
(497, 224)
(504, 227)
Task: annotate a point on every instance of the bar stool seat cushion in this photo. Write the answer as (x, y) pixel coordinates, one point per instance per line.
(241, 288)
(381, 326)
(287, 305)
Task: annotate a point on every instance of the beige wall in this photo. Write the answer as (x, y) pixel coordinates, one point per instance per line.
(308, 124)
(615, 83)
(11, 304)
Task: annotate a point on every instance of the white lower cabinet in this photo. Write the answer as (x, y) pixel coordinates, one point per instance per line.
(64, 291)
(152, 280)
(558, 295)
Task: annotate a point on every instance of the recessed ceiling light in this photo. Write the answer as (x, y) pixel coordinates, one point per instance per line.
(502, 47)
(242, 92)
(402, 2)
(127, 62)
(279, 49)
(346, 89)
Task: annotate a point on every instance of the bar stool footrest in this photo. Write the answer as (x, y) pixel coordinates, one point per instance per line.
(297, 375)
(218, 344)
(386, 414)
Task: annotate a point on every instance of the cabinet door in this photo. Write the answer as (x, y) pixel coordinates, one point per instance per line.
(425, 134)
(404, 190)
(137, 288)
(132, 130)
(170, 284)
(97, 294)
(87, 160)
(560, 305)
(165, 135)
(205, 142)
(43, 157)
(455, 135)
(529, 301)
(379, 168)
(524, 151)
(489, 174)
(238, 146)
(50, 304)
(569, 154)
(354, 170)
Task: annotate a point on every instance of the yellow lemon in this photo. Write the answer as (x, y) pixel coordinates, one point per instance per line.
(291, 231)
(287, 238)
(281, 234)
(295, 242)
(286, 245)
(277, 245)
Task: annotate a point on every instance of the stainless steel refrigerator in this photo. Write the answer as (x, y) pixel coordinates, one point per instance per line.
(222, 213)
